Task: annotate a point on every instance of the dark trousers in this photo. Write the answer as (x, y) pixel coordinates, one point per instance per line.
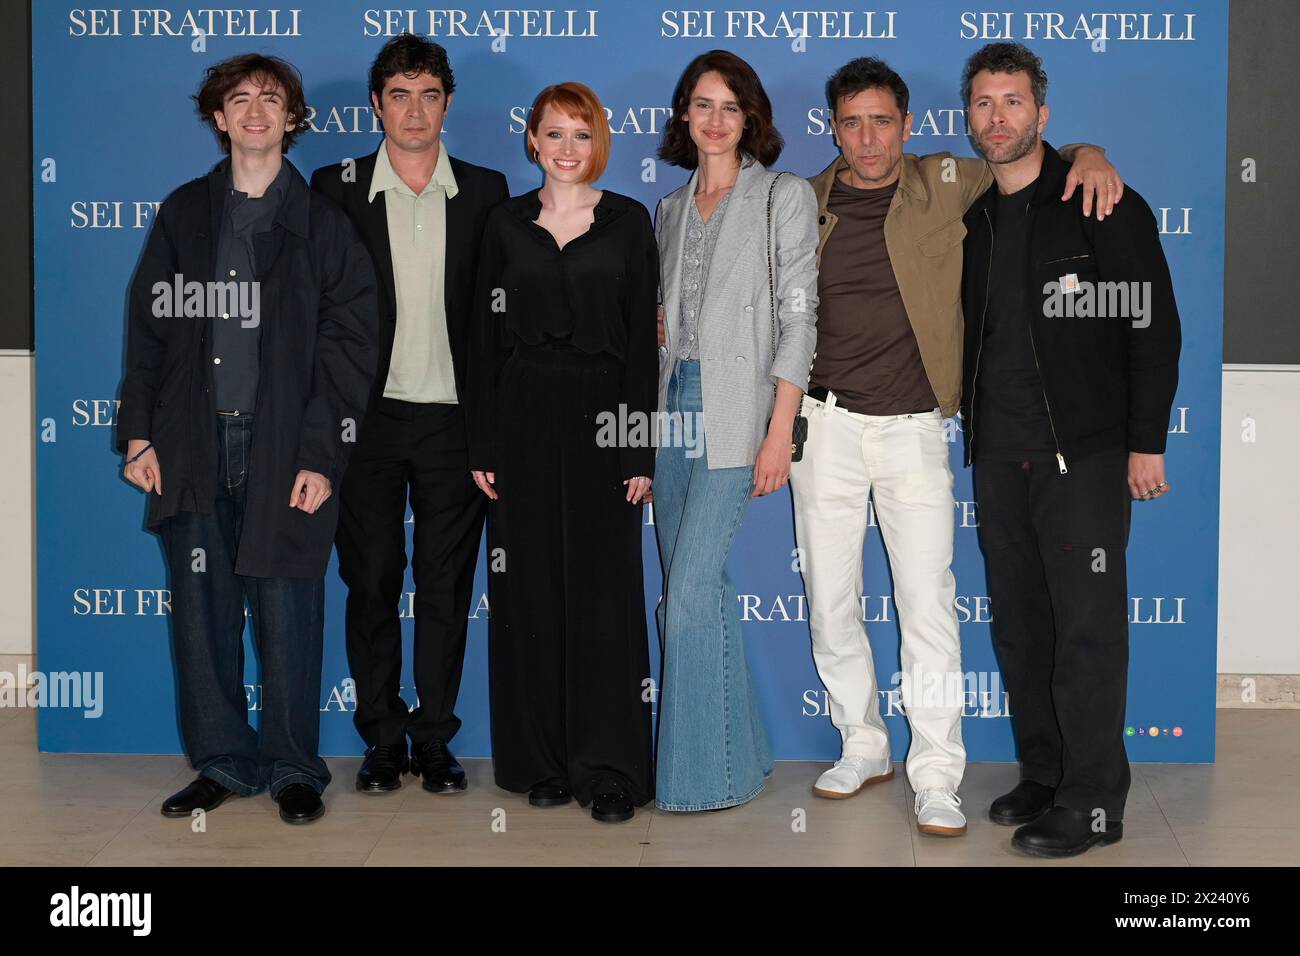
(569, 651)
(208, 643)
(415, 450)
(1054, 549)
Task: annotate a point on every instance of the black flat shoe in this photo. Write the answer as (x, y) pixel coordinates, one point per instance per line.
(549, 795)
(438, 765)
(383, 767)
(299, 803)
(1025, 804)
(202, 794)
(612, 806)
(1064, 832)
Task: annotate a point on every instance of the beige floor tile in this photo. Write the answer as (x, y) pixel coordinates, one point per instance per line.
(39, 834)
(1240, 846)
(788, 825)
(244, 839)
(59, 809)
(558, 836)
(751, 836)
(1221, 795)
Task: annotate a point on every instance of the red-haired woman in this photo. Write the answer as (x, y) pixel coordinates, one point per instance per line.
(565, 346)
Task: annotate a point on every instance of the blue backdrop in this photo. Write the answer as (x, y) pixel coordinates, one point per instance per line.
(115, 132)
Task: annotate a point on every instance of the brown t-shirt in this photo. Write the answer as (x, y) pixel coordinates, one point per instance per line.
(866, 350)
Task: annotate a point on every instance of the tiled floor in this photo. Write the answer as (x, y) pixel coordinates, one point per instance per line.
(103, 810)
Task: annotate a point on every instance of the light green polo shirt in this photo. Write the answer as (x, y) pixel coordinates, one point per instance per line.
(421, 368)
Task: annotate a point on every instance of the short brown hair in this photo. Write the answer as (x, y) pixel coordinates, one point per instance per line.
(220, 78)
(581, 103)
(1006, 58)
(760, 138)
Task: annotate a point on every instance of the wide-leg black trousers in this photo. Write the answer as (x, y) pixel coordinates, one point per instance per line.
(569, 659)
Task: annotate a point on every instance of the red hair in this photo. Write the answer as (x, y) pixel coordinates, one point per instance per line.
(581, 103)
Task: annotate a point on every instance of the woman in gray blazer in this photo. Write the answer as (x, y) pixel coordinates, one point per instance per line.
(737, 255)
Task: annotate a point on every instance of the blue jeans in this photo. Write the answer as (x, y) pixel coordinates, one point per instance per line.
(712, 749)
(208, 643)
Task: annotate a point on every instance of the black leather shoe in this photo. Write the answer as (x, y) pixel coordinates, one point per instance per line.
(299, 803)
(202, 794)
(549, 795)
(438, 765)
(612, 806)
(383, 767)
(1064, 832)
(1025, 804)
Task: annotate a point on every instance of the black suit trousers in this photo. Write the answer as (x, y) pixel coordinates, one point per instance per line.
(416, 451)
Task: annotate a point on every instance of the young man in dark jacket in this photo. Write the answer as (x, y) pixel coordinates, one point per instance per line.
(250, 353)
(420, 212)
(1070, 368)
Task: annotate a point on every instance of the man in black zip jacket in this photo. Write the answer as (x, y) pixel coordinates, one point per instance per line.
(1070, 368)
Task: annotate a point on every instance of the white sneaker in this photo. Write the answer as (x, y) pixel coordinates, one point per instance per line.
(937, 813)
(850, 774)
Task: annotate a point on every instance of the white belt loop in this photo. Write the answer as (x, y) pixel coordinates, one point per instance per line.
(830, 403)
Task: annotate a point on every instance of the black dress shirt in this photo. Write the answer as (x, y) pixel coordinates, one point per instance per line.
(596, 295)
(236, 327)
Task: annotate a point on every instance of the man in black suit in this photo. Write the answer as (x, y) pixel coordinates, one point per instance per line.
(421, 214)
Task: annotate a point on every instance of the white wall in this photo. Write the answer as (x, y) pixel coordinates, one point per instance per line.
(17, 542)
(1259, 523)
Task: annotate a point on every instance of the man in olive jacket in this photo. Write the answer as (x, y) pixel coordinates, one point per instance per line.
(250, 354)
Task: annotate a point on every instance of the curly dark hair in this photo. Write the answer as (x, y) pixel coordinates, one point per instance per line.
(760, 138)
(271, 71)
(408, 55)
(866, 73)
(1006, 58)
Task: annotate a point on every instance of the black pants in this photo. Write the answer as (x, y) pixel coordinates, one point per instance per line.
(417, 450)
(1054, 549)
(569, 653)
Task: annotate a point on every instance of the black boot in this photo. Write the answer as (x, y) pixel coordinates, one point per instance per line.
(1065, 832)
(1025, 804)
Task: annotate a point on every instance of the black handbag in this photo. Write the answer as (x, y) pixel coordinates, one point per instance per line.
(799, 434)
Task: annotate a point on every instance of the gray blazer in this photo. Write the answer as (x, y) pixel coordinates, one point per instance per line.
(737, 367)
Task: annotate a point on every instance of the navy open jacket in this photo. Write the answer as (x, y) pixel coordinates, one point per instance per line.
(318, 318)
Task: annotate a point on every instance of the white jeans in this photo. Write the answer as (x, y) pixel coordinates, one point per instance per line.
(901, 461)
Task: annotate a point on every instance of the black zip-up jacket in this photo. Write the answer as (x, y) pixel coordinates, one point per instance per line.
(1106, 383)
(319, 319)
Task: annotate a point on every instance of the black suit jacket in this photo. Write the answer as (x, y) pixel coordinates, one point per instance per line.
(478, 190)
